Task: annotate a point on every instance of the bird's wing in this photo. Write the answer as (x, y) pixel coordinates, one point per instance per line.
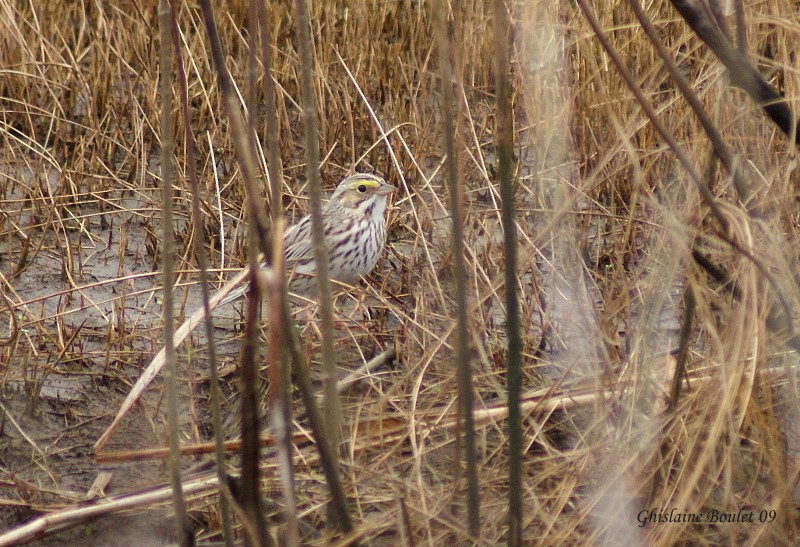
(298, 250)
(297, 247)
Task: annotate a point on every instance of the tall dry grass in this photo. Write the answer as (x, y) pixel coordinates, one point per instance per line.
(608, 223)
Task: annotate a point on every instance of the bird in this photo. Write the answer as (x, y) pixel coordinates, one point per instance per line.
(355, 235)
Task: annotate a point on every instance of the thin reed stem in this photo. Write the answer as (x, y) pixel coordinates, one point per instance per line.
(243, 146)
(333, 407)
(202, 261)
(455, 185)
(280, 371)
(183, 532)
(505, 150)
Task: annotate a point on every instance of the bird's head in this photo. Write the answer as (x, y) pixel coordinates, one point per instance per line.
(362, 192)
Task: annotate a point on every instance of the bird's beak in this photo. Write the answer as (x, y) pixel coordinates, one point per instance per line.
(385, 189)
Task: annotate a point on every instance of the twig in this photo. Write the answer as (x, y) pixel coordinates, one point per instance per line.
(363, 371)
(99, 508)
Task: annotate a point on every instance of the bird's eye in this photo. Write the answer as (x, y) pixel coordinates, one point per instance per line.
(362, 188)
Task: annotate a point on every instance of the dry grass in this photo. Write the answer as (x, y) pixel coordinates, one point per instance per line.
(608, 223)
